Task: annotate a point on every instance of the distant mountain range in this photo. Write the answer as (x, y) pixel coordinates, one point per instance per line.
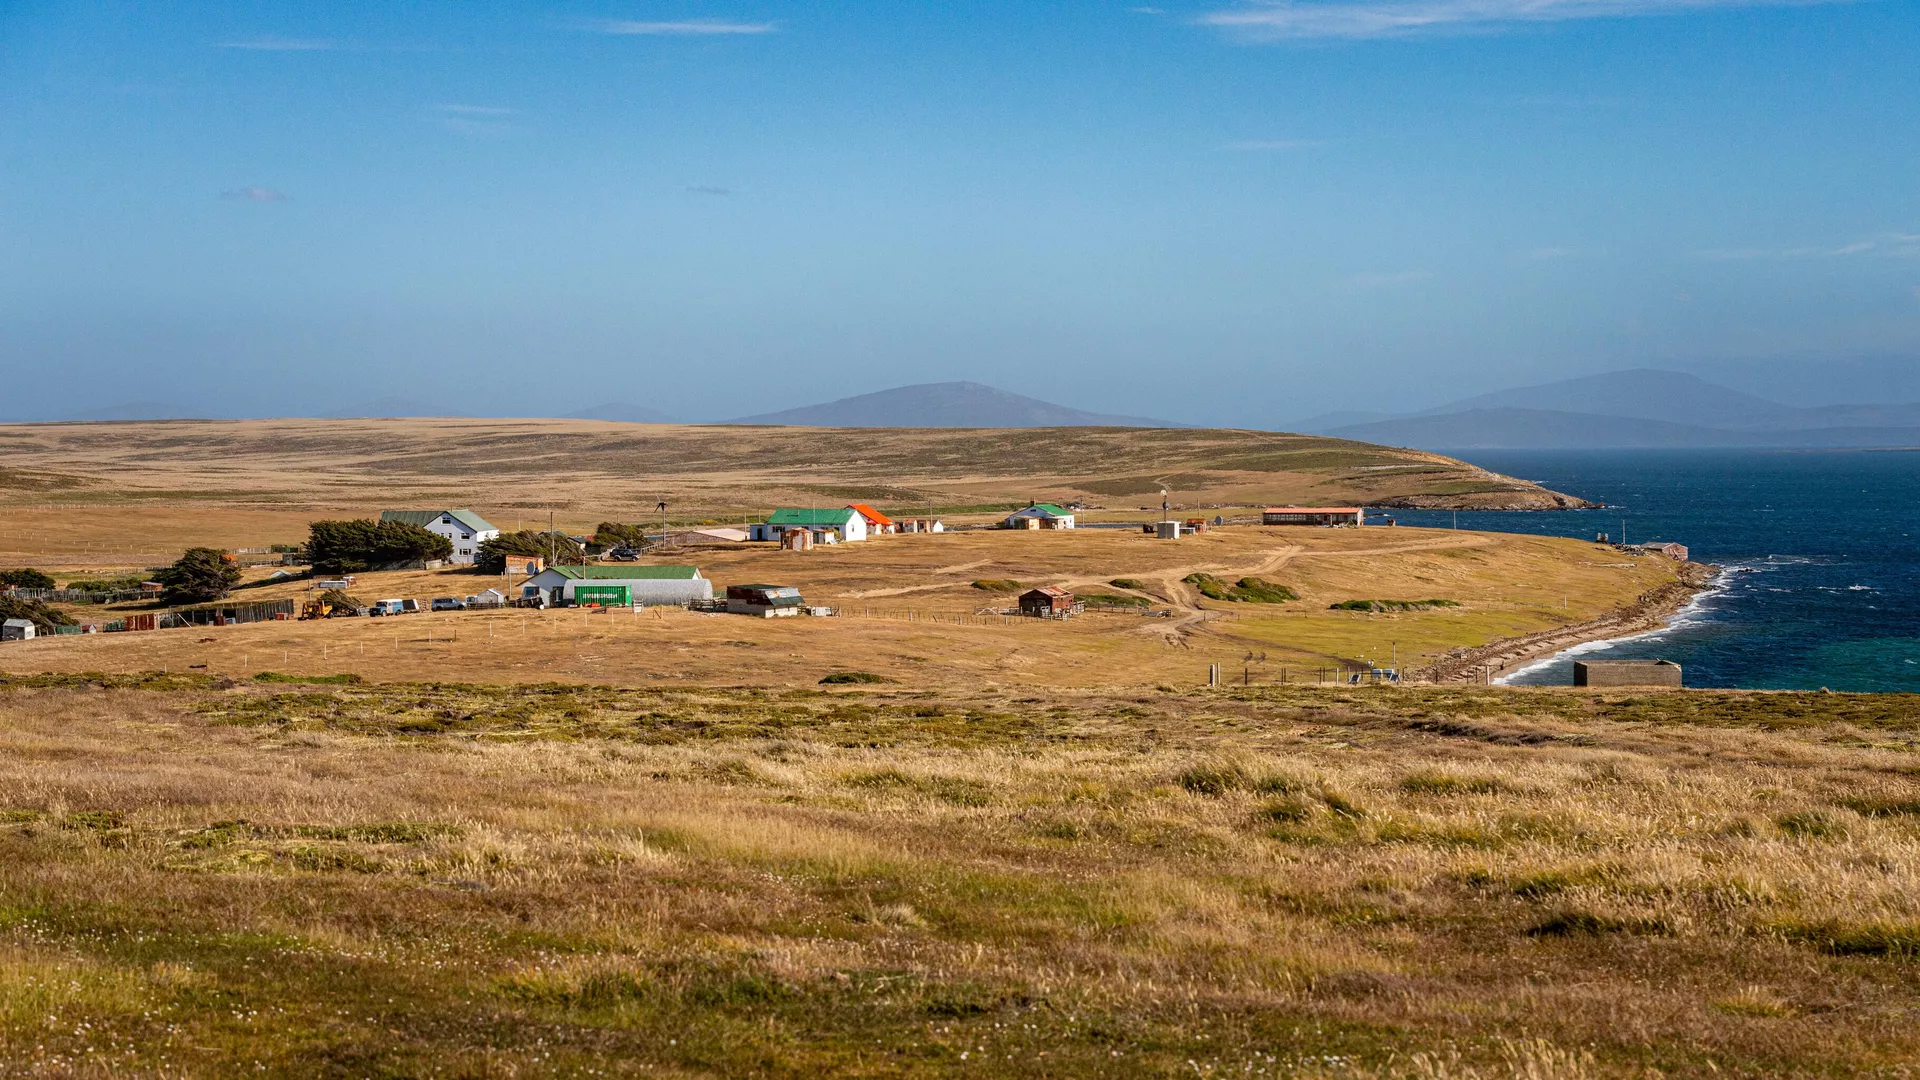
(949, 404)
(1639, 409)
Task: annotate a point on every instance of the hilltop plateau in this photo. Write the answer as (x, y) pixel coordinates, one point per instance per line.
(589, 467)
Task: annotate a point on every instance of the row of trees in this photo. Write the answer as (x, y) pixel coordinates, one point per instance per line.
(349, 547)
(25, 579)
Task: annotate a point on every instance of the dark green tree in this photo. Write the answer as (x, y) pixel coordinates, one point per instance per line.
(200, 575)
(348, 547)
(492, 556)
(43, 617)
(25, 579)
(611, 533)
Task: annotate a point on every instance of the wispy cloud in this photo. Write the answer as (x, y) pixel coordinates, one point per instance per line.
(1280, 20)
(708, 189)
(1257, 145)
(684, 27)
(1894, 245)
(253, 194)
(270, 43)
(1388, 280)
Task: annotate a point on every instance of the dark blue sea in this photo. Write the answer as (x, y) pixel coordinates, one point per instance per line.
(1821, 552)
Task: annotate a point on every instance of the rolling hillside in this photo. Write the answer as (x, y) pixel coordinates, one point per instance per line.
(605, 467)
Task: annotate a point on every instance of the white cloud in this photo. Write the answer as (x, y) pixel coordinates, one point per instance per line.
(1275, 20)
(1893, 245)
(253, 194)
(1272, 144)
(271, 43)
(685, 27)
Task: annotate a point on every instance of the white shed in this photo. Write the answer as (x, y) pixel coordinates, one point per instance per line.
(17, 630)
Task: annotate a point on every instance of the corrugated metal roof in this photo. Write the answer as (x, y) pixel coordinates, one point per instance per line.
(1049, 508)
(788, 515)
(1311, 510)
(871, 514)
(423, 518)
(627, 573)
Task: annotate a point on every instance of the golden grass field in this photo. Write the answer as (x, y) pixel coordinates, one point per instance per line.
(590, 471)
(561, 843)
(911, 614)
(204, 878)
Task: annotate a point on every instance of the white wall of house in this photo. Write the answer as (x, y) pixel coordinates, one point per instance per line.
(466, 542)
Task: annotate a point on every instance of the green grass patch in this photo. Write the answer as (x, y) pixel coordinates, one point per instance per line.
(342, 679)
(1392, 605)
(1114, 600)
(999, 585)
(1128, 583)
(1248, 590)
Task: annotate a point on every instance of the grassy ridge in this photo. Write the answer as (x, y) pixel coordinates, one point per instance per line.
(207, 876)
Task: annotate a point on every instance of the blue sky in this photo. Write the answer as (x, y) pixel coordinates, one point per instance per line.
(1240, 213)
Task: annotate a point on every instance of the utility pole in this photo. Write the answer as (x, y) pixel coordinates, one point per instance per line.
(551, 551)
(663, 524)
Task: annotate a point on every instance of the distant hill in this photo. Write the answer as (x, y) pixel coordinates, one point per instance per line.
(623, 412)
(1640, 394)
(1544, 429)
(1535, 429)
(951, 404)
(1642, 408)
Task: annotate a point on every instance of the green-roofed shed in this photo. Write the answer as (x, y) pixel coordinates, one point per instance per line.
(561, 585)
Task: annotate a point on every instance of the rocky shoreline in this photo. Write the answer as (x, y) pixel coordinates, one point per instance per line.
(1649, 612)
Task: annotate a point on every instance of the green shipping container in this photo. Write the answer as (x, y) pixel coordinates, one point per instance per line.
(602, 595)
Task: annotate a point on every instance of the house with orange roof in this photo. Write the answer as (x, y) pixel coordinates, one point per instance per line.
(877, 522)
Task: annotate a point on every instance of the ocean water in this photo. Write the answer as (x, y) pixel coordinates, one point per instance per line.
(1821, 553)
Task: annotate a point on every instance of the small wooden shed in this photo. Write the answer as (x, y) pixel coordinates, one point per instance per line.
(1047, 602)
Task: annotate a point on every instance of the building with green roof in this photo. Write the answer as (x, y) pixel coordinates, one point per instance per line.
(1039, 516)
(830, 526)
(617, 585)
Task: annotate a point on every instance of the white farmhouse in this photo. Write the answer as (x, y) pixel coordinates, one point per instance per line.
(463, 527)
